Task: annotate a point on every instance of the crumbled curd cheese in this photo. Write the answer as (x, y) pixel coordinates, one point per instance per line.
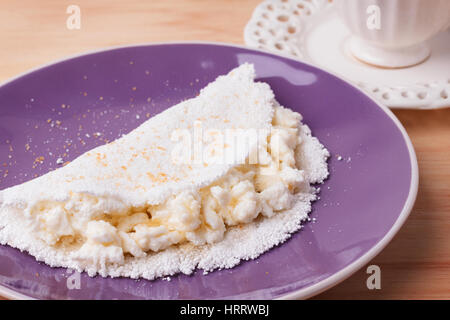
(199, 217)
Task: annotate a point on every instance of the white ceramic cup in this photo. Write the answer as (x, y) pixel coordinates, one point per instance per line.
(393, 33)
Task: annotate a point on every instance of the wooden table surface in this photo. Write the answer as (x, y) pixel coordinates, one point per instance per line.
(415, 265)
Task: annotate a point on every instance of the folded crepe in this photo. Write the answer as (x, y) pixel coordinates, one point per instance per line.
(117, 208)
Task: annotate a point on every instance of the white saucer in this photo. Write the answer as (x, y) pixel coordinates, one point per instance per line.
(312, 32)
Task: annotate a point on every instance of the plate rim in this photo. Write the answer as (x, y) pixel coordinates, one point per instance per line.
(342, 274)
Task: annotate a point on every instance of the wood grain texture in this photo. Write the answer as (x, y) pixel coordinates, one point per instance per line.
(415, 265)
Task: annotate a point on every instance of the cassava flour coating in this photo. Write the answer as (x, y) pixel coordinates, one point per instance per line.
(128, 209)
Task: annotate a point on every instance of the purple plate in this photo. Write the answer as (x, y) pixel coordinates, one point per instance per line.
(64, 109)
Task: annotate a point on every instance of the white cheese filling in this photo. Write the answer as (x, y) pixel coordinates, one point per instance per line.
(103, 231)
